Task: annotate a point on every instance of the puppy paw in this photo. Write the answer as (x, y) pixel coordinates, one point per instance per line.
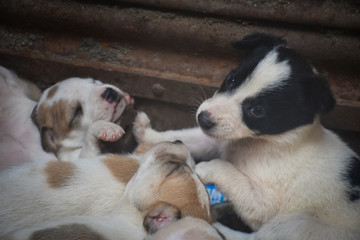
(205, 172)
(208, 171)
(107, 131)
(141, 125)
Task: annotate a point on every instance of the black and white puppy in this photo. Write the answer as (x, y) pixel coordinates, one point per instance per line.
(287, 176)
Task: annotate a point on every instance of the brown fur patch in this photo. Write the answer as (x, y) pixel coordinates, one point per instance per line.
(181, 191)
(56, 117)
(59, 173)
(69, 232)
(52, 92)
(122, 167)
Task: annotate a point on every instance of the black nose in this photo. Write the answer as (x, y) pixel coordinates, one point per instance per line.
(205, 121)
(177, 142)
(110, 95)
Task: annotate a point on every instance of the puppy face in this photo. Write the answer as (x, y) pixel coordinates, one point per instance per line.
(273, 91)
(166, 176)
(72, 105)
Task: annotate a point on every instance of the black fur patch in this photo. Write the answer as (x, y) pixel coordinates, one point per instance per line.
(237, 77)
(352, 176)
(296, 103)
(258, 39)
(258, 45)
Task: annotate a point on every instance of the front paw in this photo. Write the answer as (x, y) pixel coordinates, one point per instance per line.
(141, 125)
(213, 171)
(207, 170)
(107, 131)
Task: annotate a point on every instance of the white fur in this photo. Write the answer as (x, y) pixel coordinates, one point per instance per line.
(92, 196)
(267, 74)
(27, 199)
(121, 226)
(273, 181)
(20, 140)
(199, 144)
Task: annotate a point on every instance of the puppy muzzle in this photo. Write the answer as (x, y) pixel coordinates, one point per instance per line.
(205, 120)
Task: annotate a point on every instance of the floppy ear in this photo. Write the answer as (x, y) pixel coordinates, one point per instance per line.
(258, 39)
(160, 216)
(319, 93)
(34, 116)
(48, 139)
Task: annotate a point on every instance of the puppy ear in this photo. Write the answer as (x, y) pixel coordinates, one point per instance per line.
(34, 116)
(320, 96)
(160, 216)
(258, 39)
(48, 139)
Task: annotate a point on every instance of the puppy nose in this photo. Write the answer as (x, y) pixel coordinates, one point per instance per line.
(177, 142)
(110, 95)
(205, 121)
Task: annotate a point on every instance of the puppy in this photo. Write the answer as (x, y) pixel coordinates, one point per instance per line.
(287, 176)
(67, 121)
(114, 196)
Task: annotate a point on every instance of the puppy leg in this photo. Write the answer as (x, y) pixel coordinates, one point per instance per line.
(297, 225)
(200, 145)
(255, 203)
(100, 130)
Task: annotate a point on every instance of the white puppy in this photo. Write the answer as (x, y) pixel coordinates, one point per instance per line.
(71, 117)
(287, 176)
(114, 196)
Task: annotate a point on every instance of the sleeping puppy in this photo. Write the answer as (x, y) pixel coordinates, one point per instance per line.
(287, 176)
(70, 118)
(113, 196)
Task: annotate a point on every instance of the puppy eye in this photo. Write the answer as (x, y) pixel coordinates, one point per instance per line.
(77, 113)
(257, 111)
(229, 83)
(230, 80)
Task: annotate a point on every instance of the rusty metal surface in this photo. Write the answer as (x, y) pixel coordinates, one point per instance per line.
(329, 13)
(169, 30)
(166, 56)
(202, 73)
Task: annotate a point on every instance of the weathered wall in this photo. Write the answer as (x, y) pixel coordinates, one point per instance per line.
(172, 54)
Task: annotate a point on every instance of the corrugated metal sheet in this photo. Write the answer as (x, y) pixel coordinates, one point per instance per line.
(177, 52)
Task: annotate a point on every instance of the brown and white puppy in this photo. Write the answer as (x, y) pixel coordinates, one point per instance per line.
(71, 117)
(114, 196)
(287, 176)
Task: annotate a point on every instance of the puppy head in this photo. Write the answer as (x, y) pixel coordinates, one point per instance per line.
(72, 105)
(274, 90)
(166, 187)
